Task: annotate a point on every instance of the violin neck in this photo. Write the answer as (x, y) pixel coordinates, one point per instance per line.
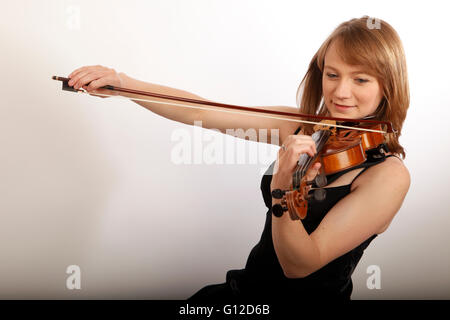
(305, 161)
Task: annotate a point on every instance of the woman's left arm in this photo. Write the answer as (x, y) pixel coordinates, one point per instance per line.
(361, 214)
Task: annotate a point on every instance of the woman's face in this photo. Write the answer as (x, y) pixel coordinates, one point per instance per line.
(348, 91)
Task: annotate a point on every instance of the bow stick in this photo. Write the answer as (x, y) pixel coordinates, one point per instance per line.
(235, 108)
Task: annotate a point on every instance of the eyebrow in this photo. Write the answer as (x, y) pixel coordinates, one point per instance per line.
(354, 72)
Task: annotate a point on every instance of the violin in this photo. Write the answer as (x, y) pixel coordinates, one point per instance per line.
(341, 144)
(337, 150)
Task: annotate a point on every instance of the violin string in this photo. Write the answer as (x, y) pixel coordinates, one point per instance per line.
(231, 111)
(303, 166)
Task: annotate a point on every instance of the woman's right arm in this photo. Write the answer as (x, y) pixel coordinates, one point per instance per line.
(242, 126)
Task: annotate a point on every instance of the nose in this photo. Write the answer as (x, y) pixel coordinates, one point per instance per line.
(343, 90)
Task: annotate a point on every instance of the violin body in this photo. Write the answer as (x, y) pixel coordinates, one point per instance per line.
(341, 154)
(342, 150)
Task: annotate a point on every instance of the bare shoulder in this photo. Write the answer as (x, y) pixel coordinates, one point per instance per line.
(391, 174)
(390, 181)
(367, 210)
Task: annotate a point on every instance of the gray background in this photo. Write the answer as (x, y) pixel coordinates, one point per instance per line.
(91, 181)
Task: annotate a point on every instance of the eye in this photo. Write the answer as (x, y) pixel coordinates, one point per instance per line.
(359, 80)
(331, 75)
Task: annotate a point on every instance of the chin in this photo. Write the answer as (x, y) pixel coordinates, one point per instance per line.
(350, 113)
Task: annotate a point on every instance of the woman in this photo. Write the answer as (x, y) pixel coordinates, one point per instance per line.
(359, 71)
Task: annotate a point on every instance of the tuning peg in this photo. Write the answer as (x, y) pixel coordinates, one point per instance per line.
(278, 193)
(318, 195)
(278, 210)
(320, 181)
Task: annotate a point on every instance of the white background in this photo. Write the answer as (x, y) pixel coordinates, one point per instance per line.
(90, 182)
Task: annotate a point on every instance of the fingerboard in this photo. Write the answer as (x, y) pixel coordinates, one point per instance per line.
(320, 137)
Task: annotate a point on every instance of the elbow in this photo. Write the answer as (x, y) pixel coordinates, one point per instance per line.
(293, 269)
(295, 272)
(295, 265)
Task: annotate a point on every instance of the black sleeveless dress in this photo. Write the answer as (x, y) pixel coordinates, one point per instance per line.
(263, 278)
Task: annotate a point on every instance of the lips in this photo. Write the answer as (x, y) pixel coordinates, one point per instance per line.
(342, 106)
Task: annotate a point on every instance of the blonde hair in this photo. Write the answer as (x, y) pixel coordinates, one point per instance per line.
(379, 48)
